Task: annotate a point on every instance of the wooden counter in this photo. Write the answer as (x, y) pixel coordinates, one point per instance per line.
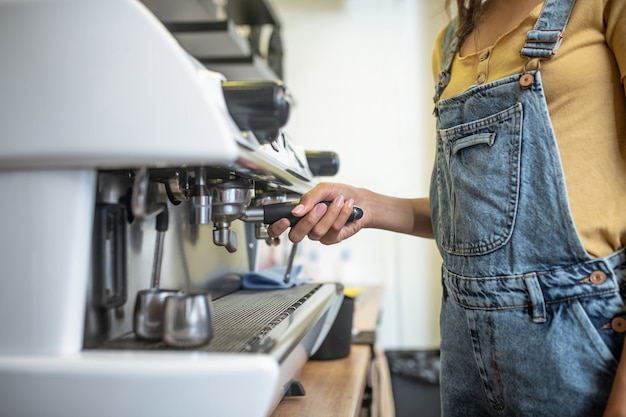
(333, 387)
(336, 388)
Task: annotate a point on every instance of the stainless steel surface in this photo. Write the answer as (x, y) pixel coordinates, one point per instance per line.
(139, 199)
(230, 199)
(187, 320)
(201, 209)
(148, 314)
(254, 214)
(149, 304)
(106, 174)
(260, 321)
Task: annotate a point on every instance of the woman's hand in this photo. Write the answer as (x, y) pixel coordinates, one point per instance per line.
(321, 222)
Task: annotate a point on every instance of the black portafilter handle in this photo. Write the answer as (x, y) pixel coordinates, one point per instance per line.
(274, 212)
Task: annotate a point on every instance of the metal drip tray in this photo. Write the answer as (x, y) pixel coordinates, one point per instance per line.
(286, 326)
(252, 321)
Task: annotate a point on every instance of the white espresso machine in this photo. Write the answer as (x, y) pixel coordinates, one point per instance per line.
(107, 123)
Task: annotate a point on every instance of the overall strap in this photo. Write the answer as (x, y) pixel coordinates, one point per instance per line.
(450, 41)
(544, 40)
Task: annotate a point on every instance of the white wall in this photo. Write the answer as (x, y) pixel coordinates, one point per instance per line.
(360, 73)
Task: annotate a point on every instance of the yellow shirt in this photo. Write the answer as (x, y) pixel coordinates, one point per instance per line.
(584, 91)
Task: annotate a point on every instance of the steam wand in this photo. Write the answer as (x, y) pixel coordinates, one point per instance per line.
(162, 222)
(292, 256)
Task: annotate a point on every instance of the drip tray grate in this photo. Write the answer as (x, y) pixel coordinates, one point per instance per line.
(238, 319)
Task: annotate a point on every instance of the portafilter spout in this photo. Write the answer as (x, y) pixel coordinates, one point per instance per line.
(230, 200)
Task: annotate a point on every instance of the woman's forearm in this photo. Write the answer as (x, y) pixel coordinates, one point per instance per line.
(403, 215)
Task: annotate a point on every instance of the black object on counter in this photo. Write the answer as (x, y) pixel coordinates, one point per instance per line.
(339, 339)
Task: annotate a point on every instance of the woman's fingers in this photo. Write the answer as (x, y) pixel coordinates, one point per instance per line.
(278, 227)
(308, 223)
(320, 220)
(338, 230)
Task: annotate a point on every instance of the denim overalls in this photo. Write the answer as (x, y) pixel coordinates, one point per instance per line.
(526, 312)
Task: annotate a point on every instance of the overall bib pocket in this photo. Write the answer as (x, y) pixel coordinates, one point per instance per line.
(478, 173)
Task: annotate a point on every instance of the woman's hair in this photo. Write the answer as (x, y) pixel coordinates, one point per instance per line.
(469, 12)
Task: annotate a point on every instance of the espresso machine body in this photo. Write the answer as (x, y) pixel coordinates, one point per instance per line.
(107, 124)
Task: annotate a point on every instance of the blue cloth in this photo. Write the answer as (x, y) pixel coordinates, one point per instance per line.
(273, 278)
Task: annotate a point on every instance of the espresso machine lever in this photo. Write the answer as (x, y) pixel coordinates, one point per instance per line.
(139, 197)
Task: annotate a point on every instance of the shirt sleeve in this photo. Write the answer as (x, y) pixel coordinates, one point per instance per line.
(437, 54)
(615, 20)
